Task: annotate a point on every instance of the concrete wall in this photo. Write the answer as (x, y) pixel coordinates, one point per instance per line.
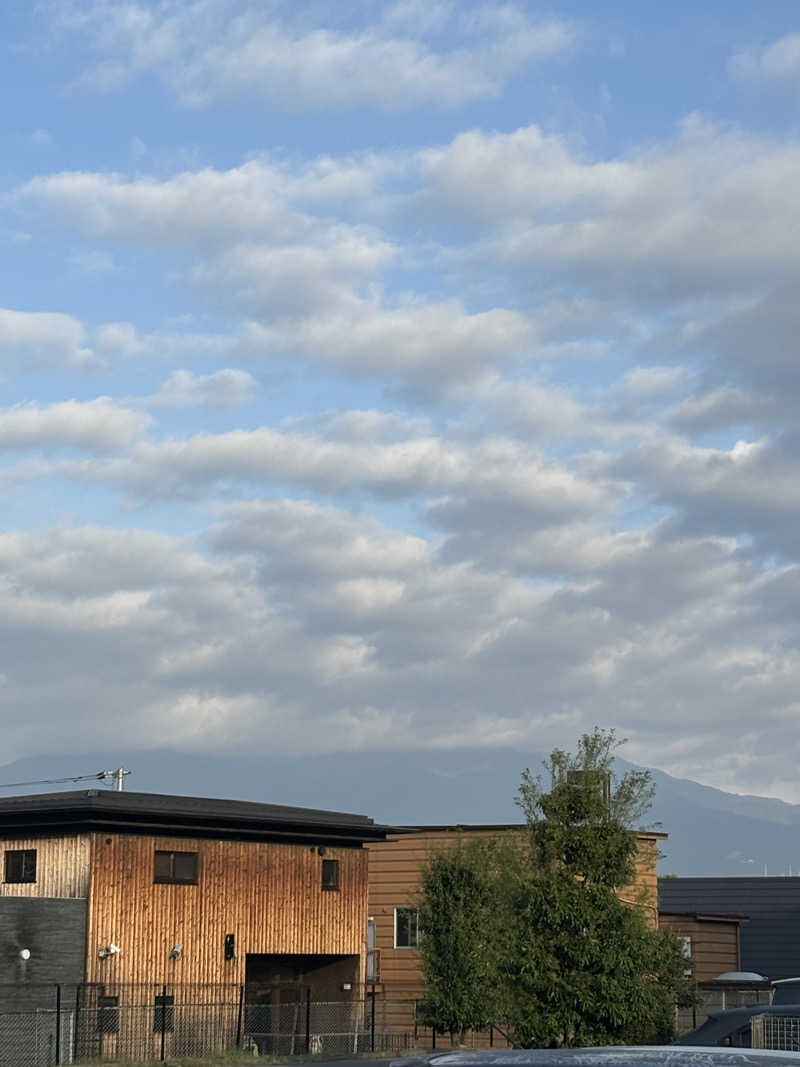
(54, 930)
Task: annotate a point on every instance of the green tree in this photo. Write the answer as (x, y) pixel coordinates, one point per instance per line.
(460, 925)
(530, 934)
(580, 966)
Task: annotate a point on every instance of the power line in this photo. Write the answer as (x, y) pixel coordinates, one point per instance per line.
(61, 781)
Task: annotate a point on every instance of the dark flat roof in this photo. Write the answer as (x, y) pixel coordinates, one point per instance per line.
(700, 917)
(105, 809)
(495, 826)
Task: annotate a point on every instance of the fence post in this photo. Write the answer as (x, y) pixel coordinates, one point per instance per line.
(239, 1017)
(491, 1037)
(308, 1019)
(372, 1020)
(58, 1024)
(76, 1038)
(163, 1023)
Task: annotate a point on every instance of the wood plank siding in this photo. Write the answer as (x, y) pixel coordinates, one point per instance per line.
(62, 867)
(714, 943)
(394, 868)
(268, 895)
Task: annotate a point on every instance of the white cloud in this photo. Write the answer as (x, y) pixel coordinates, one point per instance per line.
(34, 339)
(775, 62)
(499, 474)
(226, 388)
(436, 347)
(97, 425)
(709, 210)
(211, 50)
(190, 208)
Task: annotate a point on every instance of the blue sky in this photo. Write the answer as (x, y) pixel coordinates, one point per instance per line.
(404, 373)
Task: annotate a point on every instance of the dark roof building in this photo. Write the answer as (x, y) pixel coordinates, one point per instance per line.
(104, 809)
(770, 936)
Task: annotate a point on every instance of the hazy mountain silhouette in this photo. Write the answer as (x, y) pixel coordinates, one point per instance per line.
(710, 832)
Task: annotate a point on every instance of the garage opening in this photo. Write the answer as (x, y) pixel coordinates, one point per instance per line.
(301, 1003)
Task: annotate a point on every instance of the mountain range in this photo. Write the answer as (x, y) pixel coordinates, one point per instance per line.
(711, 832)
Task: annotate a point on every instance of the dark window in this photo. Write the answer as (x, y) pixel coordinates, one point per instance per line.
(107, 1014)
(330, 874)
(163, 1014)
(406, 928)
(177, 867)
(21, 865)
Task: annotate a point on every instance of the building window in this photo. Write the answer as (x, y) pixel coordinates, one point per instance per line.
(21, 865)
(163, 1014)
(406, 928)
(176, 867)
(330, 874)
(107, 1014)
(373, 971)
(686, 948)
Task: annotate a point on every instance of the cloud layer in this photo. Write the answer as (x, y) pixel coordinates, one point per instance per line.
(377, 402)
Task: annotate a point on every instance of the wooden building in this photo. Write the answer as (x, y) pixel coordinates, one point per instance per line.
(131, 890)
(394, 868)
(712, 942)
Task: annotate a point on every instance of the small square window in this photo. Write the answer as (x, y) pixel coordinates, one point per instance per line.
(107, 1014)
(330, 874)
(179, 868)
(163, 1014)
(406, 928)
(21, 865)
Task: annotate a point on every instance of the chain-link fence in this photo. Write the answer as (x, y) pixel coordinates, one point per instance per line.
(46, 1026)
(775, 1032)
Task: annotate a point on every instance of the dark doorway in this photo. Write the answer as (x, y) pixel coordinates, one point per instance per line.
(281, 992)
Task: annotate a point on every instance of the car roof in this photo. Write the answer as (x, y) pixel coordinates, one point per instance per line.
(604, 1056)
(720, 1024)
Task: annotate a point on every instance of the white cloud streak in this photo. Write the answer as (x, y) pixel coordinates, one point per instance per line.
(208, 51)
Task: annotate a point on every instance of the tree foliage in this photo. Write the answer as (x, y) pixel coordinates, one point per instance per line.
(534, 937)
(461, 926)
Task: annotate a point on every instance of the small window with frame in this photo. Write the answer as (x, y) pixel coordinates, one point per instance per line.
(20, 865)
(164, 1014)
(175, 868)
(107, 1014)
(406, 928)
(330, 874)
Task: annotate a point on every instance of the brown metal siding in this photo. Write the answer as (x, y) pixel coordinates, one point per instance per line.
(394, 867)
(268, 895)
(715, 944)
(62, 867)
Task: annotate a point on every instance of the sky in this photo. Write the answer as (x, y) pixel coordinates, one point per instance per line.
(406, 374)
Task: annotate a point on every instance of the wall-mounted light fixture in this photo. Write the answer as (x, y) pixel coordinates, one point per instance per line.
(108, 950)
(24, 954)
(175, 952)
(230, 946)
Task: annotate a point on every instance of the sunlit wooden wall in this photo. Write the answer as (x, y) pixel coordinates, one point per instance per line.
(62, 867)
(394, 867)
(269, 895)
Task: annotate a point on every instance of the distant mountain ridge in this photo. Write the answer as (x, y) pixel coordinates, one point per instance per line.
(710, 832)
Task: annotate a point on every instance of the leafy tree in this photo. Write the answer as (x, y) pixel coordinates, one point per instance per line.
(581, 966)
(460, 923)
(531, 935)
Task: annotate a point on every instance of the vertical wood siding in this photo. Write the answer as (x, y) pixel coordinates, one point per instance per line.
(268, 895)
(394, 867)
(62, 867)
